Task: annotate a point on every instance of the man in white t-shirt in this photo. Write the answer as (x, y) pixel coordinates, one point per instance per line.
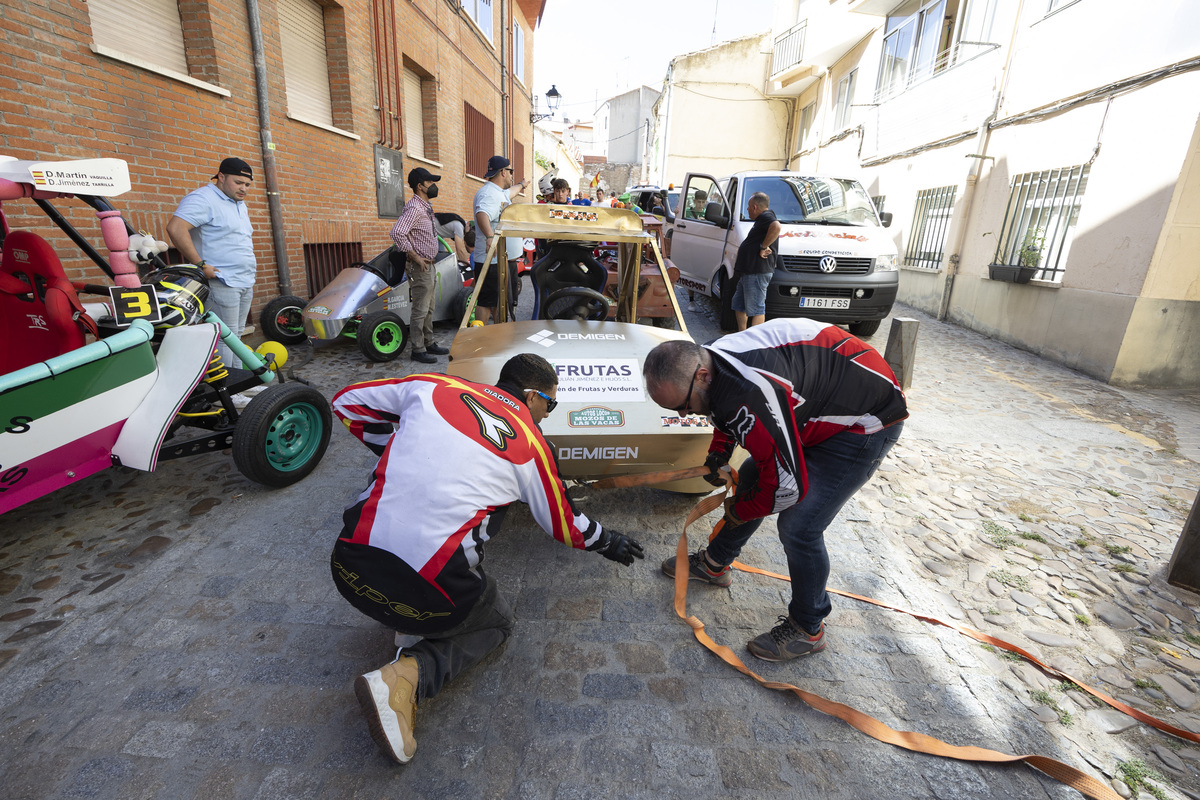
(490, 200)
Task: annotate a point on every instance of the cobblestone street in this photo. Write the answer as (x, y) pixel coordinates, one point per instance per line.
(177, 635)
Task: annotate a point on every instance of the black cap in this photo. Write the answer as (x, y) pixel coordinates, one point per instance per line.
(420, 175)
(235, 166)
(495, 164)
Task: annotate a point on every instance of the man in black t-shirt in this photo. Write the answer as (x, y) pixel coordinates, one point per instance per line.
(755, 263)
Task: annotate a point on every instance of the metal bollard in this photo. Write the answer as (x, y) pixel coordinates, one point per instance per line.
(1184, 567)
(901, 349)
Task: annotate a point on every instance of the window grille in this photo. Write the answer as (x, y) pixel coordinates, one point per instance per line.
(480, 140)
(324, 260)
(789, 48)
(1040, 218)
(931, 221)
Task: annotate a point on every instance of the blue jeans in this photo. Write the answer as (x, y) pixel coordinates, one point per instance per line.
(750, 296)
(232, 305)
(837, 468)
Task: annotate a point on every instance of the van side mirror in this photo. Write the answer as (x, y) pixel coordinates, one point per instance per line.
(886, 218)
(713, 213)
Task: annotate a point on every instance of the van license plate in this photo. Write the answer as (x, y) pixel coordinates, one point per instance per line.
(824, 302)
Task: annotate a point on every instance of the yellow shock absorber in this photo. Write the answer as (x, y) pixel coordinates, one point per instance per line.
(216, 368)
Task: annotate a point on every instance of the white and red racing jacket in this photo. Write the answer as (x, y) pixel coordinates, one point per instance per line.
(453, 454)
(789, 384)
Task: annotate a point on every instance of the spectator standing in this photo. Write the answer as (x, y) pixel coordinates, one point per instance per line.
(414, 236)
(489, 201)
(211, 229)
(755, 263)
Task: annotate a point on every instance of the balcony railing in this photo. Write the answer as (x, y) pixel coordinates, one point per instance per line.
(789, 48)
(954, 56)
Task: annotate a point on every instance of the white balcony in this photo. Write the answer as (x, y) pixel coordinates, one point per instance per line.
(824, 34)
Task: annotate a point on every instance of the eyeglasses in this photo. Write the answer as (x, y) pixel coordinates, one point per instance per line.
(510, 171)
(687, 398)
(551, 403)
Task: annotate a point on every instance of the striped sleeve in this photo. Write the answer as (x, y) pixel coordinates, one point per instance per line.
(370, 411)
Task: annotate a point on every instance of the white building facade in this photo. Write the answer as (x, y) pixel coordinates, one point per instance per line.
(1040, 158)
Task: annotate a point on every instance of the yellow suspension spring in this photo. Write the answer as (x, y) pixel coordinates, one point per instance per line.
(216, 368)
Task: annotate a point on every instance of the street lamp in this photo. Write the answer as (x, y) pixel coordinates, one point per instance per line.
(552, 100)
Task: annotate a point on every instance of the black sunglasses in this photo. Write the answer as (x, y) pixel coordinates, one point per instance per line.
(551, 403)
(687, 398)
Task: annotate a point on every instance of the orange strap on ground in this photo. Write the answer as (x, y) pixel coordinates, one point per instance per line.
(909, 740)
(648, 478)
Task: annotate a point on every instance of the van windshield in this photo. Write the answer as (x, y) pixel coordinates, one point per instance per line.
(821, 201)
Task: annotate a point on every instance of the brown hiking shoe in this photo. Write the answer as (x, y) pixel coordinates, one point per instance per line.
(786, 641)
(700, 570)
(389, 700)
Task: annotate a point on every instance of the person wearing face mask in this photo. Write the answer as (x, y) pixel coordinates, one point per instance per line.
(414, 236)
(411, 550)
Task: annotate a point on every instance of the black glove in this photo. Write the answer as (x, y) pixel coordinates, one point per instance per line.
(618, 547)
(714, 462)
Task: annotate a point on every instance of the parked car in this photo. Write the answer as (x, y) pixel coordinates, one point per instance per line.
(836, 263)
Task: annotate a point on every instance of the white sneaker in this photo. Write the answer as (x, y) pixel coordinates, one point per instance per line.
(691, 306)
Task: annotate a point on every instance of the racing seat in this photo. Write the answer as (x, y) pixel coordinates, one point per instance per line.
(40, 314)
(567, 265)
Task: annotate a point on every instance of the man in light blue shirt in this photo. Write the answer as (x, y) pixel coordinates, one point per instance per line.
(211, 229)
(490, 200)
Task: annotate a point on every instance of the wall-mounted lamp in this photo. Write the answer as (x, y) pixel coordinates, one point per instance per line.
(552, 100)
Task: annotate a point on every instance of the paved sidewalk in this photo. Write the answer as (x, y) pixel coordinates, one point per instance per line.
(177, 635)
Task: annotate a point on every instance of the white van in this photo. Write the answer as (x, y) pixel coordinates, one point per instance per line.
(836, 262)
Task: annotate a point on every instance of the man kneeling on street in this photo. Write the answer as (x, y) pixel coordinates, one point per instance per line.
(453, 455)
(817, 409)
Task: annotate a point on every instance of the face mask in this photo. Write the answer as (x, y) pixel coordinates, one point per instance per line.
(431, 192)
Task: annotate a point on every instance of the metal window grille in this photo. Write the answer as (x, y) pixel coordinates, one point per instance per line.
(789, 48)
(480, 140)
(931, 221)
(324, 260)
(1043, 208)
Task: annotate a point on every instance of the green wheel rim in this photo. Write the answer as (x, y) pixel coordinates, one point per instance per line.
(387, 337)
(290, 319)
(294, 437)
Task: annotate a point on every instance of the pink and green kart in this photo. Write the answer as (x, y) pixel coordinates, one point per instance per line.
(150, 386)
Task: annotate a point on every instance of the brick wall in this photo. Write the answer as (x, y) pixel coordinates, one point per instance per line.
(60, 100)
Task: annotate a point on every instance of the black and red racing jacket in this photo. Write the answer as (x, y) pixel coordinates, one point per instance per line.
(789, 384)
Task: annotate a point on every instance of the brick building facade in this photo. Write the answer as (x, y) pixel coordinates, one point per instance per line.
(93, 79)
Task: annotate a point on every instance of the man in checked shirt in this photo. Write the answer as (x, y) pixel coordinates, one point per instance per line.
(414, 236)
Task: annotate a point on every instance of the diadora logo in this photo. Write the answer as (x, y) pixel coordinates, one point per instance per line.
(21, 255)
(544, 338)
(550, 338)
(37, 322)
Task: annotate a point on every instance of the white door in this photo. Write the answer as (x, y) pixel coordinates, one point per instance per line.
(697, 244)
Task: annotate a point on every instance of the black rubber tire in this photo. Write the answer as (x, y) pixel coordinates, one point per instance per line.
(864, 330)
(728, 320)
(376, 336)
(459, 305)
(282, 435)
(288, 306)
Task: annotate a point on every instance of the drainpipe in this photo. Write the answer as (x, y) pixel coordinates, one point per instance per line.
(268, 148)
(983, 139)
(505, 93)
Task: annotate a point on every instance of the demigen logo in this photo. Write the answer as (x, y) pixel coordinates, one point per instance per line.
(544, 338)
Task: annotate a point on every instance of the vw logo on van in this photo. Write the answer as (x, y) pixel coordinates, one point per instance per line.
(828, 264)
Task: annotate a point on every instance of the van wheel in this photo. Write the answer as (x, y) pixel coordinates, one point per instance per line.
(728, 286)
(864, 329)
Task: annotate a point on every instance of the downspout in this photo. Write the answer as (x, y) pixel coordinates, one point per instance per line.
(980, 155)
(505, 87)
(268, 147)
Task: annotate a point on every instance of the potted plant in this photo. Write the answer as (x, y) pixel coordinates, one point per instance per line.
(1029, 259)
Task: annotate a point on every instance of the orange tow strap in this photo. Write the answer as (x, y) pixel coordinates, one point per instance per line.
(917, 742)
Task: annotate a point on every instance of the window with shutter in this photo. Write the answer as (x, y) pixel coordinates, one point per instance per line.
(481, 138)
(414, 116)
(305, 61)
(156, 37)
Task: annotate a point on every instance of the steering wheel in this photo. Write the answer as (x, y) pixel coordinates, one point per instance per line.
(577, 302)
